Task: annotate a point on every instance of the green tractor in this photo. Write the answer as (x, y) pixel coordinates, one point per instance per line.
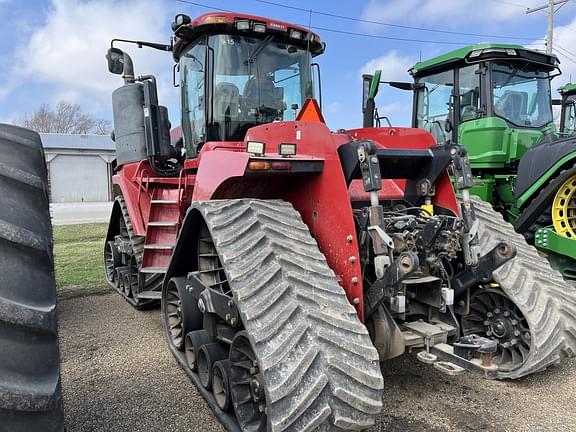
(568, 115)
(496, 100)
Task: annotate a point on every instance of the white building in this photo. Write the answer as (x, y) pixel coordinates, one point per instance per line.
(79, 167)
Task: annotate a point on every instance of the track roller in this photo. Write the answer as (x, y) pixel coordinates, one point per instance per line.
(194, 340)
(208, 355)
(221, 384)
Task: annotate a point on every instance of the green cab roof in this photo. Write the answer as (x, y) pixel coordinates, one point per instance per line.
(462, 54)
(567, 88)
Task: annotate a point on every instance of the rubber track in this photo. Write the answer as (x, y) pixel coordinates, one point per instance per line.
(545, 299)
(153, 281)
(30, 392)
(320, 369)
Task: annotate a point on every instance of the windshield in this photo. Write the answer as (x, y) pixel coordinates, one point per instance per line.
(521, 94)
(254, 81)
(433, 104)
(569, 117)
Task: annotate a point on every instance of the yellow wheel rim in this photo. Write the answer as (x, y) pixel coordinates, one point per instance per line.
(564, 209)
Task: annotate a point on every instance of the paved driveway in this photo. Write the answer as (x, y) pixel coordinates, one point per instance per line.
(79, 213)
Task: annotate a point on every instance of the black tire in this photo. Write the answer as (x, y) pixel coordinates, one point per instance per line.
(30, 392)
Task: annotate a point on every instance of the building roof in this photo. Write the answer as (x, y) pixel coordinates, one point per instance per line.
(77, 142)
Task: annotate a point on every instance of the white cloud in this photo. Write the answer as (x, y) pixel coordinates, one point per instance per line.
(443, 11)
(394, 66)
(334, 107)
(67, 52)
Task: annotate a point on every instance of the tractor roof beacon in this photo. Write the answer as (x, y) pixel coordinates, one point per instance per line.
(290, 260)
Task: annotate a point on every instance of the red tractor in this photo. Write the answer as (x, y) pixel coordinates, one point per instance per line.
(290, 260)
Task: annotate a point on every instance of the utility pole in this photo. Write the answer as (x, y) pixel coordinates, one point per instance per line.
(550, 7)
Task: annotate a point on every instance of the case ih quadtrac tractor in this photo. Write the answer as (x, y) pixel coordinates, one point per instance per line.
(495, 100)
(289, 260)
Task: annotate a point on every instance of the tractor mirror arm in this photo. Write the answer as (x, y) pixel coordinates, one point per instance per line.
(140, 44)
(404, 85)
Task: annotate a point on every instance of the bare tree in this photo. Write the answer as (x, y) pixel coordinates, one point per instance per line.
(67, 118)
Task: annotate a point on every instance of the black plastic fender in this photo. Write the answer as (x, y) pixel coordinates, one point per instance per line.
(539, 159)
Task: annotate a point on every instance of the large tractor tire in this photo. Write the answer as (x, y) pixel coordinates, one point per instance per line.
(529, 303)
(311, 364)
(30, 392)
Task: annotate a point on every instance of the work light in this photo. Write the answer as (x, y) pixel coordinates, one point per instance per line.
(243, 25)
(287, 149)
(256, 148)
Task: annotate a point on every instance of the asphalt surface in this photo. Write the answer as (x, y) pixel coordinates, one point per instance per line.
(80, 213)
(118, 375)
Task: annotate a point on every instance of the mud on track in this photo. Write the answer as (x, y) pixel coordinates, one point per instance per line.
(118, 375)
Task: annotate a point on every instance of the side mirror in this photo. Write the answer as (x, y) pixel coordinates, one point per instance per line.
(115, 57)
(370, 84)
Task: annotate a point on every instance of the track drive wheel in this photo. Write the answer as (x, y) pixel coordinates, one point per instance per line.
(300, 358)
(531, 309)
(30, 393)
(564, 209)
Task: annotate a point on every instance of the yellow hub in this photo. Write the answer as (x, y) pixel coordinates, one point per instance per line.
(564, 209)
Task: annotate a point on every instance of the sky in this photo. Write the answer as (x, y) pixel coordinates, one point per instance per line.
(54, 50)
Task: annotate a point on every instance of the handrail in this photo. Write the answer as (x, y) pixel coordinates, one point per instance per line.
(181, 191)
(143, 172)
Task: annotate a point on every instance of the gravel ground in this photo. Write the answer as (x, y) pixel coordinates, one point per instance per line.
(118, 375)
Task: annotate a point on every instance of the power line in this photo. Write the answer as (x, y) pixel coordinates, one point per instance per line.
(350, 33)
(424, 29)
(332, 30)
(565, 53)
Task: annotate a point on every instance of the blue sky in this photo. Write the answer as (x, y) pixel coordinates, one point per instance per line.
(54, 49)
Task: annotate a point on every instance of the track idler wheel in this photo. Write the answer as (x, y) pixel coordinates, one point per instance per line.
(221, 384)
(111, 262)
(194, 340)
(180, 311)
(246, 385)
(208, 355)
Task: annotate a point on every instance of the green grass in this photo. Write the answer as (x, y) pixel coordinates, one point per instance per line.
(78, 259)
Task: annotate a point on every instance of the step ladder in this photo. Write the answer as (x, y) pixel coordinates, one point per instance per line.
(162, 230)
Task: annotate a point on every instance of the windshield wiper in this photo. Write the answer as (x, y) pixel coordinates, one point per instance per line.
(252, 57)
(513, 74)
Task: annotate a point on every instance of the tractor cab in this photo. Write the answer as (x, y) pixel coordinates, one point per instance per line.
(493, 98)
(568, 114)
(236, 71)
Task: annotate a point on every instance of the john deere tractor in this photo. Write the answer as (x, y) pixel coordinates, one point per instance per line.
(495, 100)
